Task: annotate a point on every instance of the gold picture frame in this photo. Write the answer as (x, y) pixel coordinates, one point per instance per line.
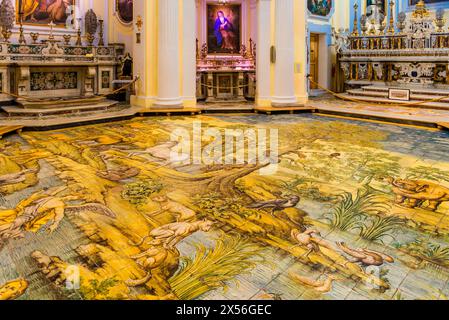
(32, 5)
(120, 16)
(211, 50)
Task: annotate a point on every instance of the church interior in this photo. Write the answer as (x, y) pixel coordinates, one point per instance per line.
(224, 150)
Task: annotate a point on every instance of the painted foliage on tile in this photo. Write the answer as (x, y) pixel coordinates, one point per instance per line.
(355, 211)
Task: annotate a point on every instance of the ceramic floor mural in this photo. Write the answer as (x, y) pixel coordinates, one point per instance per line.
(355, 210)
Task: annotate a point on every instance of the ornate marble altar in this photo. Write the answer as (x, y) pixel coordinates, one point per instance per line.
(55, 70)
(415, 56)
(226, 77)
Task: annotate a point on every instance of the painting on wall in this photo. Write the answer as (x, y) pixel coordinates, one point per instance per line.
(223, 28)
(320, 7)
(42, 12)
(376, 7)
(124, 9)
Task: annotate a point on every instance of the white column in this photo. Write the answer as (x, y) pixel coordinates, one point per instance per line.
(284, 86)
(189, 51)
(263, 52)
(168, 93)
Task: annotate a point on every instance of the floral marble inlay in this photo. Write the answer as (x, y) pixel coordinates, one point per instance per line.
(53, 81)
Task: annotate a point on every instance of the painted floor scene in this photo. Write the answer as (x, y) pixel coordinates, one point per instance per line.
(351, 210)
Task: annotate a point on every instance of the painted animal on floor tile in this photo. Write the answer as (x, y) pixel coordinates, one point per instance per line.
(171, 234)
(13, 289)
(167, 205)
(154, 258)
(320, 286)
(43, 208)
(311, 239)
(415, 193)
(365, 256)
(276, 205)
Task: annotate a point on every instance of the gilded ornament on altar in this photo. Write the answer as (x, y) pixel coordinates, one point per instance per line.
(101, 33)
(401, 22)
(67, 38)
(440, 22)
(421, 10)
(7, 17)
(34, 37)
(91, 26)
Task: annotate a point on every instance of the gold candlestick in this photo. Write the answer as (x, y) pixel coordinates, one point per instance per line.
(391, 30)
(101, 33)
(355, 32)
(6, 34)
(79, 41)
(22, 39)
(51, 37)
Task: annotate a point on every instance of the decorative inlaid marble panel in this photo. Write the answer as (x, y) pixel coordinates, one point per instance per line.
(105, 79)
(40, 81)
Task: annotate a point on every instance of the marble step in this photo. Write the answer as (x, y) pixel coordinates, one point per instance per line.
(444, 125)
(37, 112)
(57, 103)
(423, 91)
(8, 129)
(57, 121)
(419, 97)
(386, 101)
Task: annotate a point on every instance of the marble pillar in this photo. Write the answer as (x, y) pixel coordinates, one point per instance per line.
(263, 96)
(189, 52)
(168, 91)
(284, 67)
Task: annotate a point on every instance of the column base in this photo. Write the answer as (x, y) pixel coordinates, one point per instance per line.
(168, 104)
(141, 101)
(282, 102)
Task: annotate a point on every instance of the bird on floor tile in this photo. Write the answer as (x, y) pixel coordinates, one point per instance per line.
(366, 257)
(265, 295)
(276, 205)
(321, 286)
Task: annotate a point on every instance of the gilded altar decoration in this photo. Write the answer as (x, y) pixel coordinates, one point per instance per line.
(6, 19)
(124, 10)
(223, 28)
(415, 2)
(390, 58)
(90, 26)
(42, 12)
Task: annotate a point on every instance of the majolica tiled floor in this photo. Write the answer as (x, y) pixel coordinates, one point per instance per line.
(99, 212)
